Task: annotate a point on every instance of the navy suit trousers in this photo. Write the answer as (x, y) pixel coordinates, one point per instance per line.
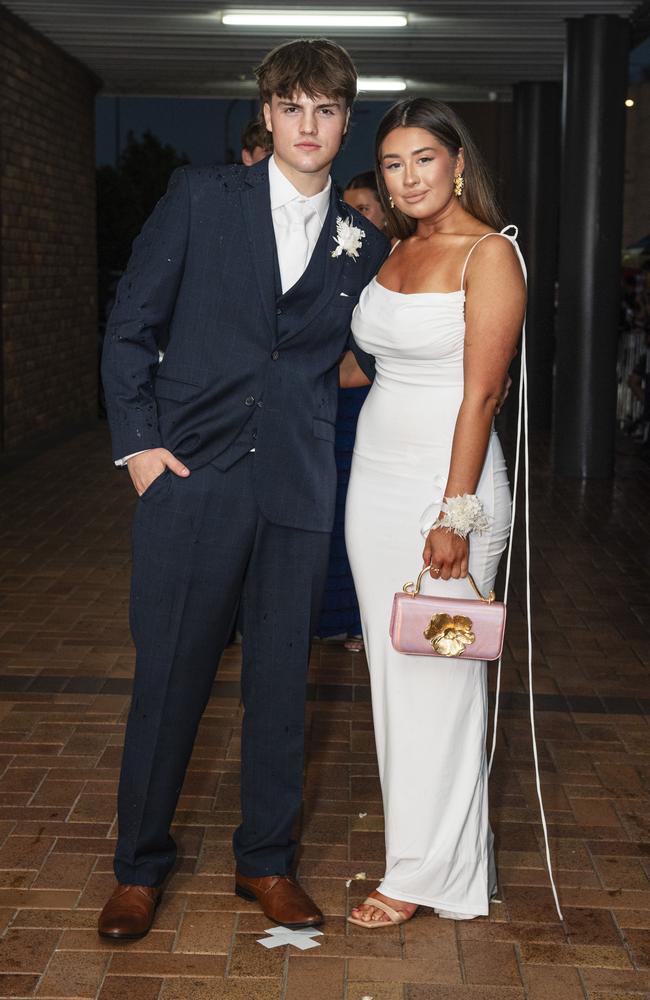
(200, 547)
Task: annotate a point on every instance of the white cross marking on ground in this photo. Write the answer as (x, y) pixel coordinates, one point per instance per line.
(280, 936)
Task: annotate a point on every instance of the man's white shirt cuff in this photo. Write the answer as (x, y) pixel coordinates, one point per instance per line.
(124, 461)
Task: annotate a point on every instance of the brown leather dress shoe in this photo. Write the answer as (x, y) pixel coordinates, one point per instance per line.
(281, 898)
(129, 912)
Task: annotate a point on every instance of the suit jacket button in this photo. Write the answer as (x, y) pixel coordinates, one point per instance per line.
(249, 401)
(275, 355)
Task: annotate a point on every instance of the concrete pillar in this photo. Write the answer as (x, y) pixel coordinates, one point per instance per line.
(584, 418)
(536, 199)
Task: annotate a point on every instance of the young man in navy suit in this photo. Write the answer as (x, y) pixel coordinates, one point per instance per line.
(253, 274)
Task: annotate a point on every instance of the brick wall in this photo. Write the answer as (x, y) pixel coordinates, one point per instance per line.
(48, 322)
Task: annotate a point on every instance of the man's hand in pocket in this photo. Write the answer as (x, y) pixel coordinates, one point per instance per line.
(148, 465)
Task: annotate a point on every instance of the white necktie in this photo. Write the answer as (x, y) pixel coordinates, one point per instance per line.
(301, 226)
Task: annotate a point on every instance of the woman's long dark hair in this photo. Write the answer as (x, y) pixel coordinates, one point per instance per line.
(478, 197)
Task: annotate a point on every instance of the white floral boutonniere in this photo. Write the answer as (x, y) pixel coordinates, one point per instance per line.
(348, 238)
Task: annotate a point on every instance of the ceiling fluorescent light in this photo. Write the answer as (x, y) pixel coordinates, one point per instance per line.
(376, 83)
(316, 19)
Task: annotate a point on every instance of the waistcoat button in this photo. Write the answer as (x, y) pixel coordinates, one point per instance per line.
(275, 355)
(249, 401)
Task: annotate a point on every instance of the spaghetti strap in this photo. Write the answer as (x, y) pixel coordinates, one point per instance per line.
(393, 247)
(504, 232)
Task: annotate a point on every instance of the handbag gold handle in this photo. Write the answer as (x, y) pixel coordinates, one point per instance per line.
(416, 587)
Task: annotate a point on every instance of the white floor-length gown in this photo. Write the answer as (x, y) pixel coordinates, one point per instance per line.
(430, 713)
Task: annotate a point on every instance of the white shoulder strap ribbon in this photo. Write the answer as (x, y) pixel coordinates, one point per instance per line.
(523, 424)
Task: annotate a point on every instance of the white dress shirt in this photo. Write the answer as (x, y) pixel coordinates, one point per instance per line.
(297, 224)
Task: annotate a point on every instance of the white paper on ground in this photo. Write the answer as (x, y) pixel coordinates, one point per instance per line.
(280, 940)
(304, 943)
(302, 938)
(273, 942)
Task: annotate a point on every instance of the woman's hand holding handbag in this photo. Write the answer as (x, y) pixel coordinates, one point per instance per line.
(431, 625)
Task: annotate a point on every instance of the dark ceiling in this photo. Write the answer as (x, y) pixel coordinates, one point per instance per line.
(453, 49)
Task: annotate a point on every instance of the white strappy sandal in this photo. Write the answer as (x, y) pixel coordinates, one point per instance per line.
(395, 917)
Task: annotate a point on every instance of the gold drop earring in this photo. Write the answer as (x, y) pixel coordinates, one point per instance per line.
(459, 184)
(391, 202)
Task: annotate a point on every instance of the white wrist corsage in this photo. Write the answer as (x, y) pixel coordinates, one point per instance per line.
(348, 238)
(463, 515)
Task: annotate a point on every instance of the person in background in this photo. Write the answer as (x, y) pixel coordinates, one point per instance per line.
(256, 142)
(340, 611)
(639, 383)
(362, 194)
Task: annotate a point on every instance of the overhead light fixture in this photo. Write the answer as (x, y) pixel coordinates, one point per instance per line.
(316, 19)
(629, 103)
(377, 83)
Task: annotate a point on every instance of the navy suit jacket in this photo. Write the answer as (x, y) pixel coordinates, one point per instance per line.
(244, 366)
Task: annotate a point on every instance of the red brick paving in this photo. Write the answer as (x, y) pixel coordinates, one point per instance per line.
(65, 664)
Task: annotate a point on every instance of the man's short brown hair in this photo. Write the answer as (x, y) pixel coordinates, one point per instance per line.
(256, 135)
(313, 66)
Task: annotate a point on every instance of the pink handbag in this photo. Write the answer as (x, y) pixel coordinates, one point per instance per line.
(428, 625)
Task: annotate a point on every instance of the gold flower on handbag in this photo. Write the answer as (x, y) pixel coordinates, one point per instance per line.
(449, 636)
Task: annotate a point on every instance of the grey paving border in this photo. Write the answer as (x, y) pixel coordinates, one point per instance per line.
(510, 700)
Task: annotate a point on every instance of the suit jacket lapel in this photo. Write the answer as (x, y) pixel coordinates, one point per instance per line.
(331, 269)
(256, 208)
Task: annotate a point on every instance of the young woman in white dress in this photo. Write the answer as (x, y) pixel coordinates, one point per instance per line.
(442, 320)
